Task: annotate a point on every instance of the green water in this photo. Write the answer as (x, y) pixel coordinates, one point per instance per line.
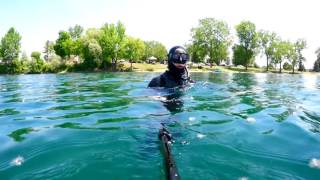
(104, 126)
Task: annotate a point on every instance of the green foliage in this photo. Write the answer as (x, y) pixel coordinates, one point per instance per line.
(35, 55)
(76, 32)
(156, 49)
(10, 46)
(76, 48)
(54, 66)
(289, 51)
(246, 32)
(211, 38)
(15, 67)
(248, 39)
(280, 52)
(93, 33)
(48, 50)
(242, 56)
(92, 53)
(265, 40)
(299, 45)
(19, 66)
(133, 49)
(69, 43)
(287, 66)
(37, 66)
(99, 48)
(197, 54)
(63, 45)
(111, 41)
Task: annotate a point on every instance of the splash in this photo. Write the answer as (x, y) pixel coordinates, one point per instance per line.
(251, 120)
(185, 142)
(314, 163)
(17, 161)
(200, 136)
(192, 118)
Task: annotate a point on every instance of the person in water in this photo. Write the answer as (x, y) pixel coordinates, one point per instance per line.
(177, 73)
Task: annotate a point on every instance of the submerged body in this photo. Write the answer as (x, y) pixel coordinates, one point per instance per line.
(170, 80)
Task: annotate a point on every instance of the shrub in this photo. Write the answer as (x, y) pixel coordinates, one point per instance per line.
(18, 66)
(287, 66)
(37, 66)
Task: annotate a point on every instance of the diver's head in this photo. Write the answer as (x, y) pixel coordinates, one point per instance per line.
(177, 59)
(178, 55)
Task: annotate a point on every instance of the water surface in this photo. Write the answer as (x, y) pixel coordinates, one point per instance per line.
(104, 126)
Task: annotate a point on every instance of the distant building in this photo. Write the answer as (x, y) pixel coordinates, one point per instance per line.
(152, 60)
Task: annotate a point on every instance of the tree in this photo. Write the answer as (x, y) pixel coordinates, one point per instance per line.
(241, 55)
(92, 53)
(299, 45)
(213, 37)
(10, 46)
(133, 49)
(112, 41)
(156, 49)
(75, 32)
(281, 50)
(35, 55)
(37, 64)
(197, 54)
(48, 50)
(248, 39)
(93, 33)
(63, 45)
(265, 40)
(316, 66)
(291, 55)
(24, 56)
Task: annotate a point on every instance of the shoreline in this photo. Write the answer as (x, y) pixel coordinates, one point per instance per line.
(158, 68)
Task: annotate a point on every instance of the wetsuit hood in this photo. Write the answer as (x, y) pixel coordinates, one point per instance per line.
(172, 69)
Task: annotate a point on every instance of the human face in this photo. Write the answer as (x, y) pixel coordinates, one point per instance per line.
(179, 66)
(180, 56)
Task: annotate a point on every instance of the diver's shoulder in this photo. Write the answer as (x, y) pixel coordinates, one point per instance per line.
(155, 82)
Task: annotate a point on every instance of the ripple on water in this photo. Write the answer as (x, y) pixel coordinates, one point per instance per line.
(227, 125)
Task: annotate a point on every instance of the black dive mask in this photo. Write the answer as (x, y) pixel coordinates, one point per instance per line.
(180, 58)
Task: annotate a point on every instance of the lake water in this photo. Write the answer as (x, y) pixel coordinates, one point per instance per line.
(105, 126)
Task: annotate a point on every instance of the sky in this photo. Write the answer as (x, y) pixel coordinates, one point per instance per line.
(166, 21)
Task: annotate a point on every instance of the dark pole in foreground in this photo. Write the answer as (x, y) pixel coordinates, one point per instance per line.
(171, 169)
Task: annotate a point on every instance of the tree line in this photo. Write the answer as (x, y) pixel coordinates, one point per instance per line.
(76, 49)
(102, 48)
(211, 41)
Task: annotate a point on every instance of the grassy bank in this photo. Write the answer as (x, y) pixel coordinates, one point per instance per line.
(141, 67)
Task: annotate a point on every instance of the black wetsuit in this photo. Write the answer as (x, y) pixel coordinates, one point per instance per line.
(173, 77)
